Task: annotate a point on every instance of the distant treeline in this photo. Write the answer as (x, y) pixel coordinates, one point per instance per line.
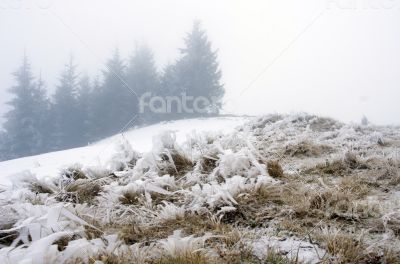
(130, 92)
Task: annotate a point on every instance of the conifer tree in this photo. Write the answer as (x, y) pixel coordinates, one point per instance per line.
(142, 77)
(198, 72)
(23, 125)
(3, 149)
(115, 108)
(43, 116)
(85, 106)
(65, 109)
(170, 87)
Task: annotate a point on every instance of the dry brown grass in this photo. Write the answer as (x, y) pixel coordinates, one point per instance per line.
(75, 173)
(389, 256)
(226, 244)
(110, 258)
(355, 185)
(134, 198)
(344, 247)
(40, 188)
(350, 248)
(274, 169)
(188, 258)
(257, 207)
(273, 257)
(307, 149)
(159, 198)
(190, 224)
(62, 243)
(339, 167)
(395, 179)
(327, 199)
(92, 233)
(130, 198)
(182, 163)
(297, 204)
(270, 119)
(231, 237)
(327, 203)
(85, 190)
(6, 238)
(178, 166)
(295, 226)
(322, 124)
(388, 172)
(236, 253)
(208, 164)
(393, 223)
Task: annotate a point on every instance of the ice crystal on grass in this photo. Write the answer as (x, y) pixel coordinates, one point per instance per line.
(278, 181)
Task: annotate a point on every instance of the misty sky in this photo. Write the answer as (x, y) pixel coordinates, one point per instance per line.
(337, 58)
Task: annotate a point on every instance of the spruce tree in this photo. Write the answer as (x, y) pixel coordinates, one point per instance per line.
(170, 87)
(85, 106)
(3, 149)
(23, 125)
(115, 108)
(142, 77)
(42, 116)
(198, 71)
(65, 109)
(97, 110)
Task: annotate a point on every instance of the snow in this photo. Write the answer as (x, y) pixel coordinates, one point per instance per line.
(168, 173)
(175, 244)
(293, 248)
(141, 139)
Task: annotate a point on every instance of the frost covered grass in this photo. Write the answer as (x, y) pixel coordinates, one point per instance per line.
(279, 189)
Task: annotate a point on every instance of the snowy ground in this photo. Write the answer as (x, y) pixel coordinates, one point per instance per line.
(99, 153)
(276, 189)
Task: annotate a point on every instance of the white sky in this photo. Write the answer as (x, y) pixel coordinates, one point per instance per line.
(337, 58)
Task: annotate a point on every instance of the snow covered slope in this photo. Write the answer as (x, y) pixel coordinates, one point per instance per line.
(278, 189)
(97, 154)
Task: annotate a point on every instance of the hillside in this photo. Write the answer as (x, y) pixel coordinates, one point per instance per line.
(275, 189)
(99, 153)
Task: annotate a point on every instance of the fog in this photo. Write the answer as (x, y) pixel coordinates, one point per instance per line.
(334, 58)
